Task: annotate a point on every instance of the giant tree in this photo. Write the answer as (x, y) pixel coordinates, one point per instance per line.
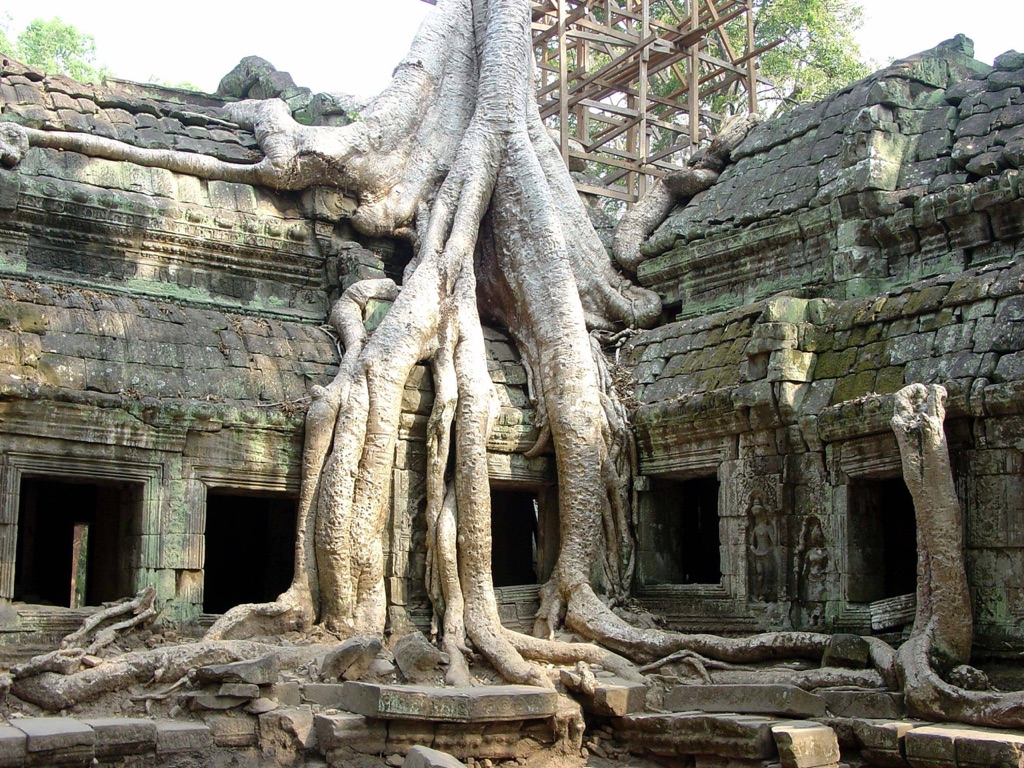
(453, 156)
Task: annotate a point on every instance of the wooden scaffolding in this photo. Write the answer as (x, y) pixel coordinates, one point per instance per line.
(628, 85)
(623, 81)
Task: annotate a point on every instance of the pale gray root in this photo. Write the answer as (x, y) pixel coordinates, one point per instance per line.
(942, 632)
(54, 691)
(142, 610)
(675, 188)
(90, 638)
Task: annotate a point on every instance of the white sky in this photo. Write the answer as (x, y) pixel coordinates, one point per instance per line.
(351, 46)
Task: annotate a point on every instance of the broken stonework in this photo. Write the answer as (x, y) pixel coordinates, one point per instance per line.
(424, 757)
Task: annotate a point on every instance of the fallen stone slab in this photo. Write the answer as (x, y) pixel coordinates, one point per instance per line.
(486, 703)
(261, 671)
(949, 745)
(786, 700)
(746, 737)
(873, 705)
(122, 736)
(851, 651)
(806, 745)
(417, 658)
(174, 736)
(424, 757)
(614, 697)
(12, 746)
(350, 660)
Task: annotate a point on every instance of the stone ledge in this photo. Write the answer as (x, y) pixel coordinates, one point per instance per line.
(457, 705)
(785, 700)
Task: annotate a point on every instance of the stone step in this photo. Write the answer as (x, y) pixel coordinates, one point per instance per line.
(485, 703)
(785, 700)
(614, 697)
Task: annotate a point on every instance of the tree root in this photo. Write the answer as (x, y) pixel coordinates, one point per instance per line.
(54, 691)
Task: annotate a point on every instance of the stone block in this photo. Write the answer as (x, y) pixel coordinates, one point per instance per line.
(875, 705)
(288, 694)
(122, 735)
(350, 732)
(239, 690)
(286, 734)
(12, 747)
(200, 702)
(424, 757)
(732, 736)
(261, 671)
(486, 703)
(351, 659)
(933, 746)
(174, 736)
(325, 694)
(791, 365)
(614, 697)
(787, 700)
(806, 745)
(231, 731)
(981, 747)
(50, 734)
(850, 651)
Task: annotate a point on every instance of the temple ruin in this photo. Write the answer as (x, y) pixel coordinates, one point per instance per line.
(160, 334)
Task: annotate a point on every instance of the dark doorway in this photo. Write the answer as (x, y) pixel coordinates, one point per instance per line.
(679, 533)
(881, 540)
(514, 523)
(250, 548)
(75, 541)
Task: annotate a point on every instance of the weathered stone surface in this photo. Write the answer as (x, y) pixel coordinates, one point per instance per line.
(875, 705)
(806, 745)
(286, 735)
(12, 746)
(785, 700)
(730, 736)
(944, 745)
(239, 690)
(230, 731)
(122, 735)
(418, 658)
(351, 660)
(846, 651)
(350, 732)
(424, 757)
(174, 736)
(461, 705)
(54, 734)
(613, 697)
(261, 671)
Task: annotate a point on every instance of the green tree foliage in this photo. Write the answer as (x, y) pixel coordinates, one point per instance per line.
(57, 47)
(818, 55)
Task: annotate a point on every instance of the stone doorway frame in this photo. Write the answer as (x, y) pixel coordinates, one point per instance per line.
(16, 465)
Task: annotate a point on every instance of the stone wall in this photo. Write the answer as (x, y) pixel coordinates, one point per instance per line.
(159, 333)
(886, 225)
